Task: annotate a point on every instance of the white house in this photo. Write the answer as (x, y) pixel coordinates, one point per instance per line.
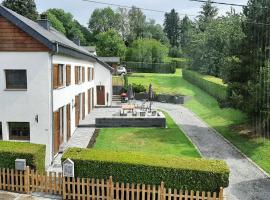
(47, 83)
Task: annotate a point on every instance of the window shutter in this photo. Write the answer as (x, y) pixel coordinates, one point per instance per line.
(55, 76)
(56, 119)
(93, 76)
(68, 75)
(76, 75)
(88, 73)
(83, 74)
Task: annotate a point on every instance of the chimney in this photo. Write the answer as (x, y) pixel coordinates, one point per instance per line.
(44, 22)
(77, 41)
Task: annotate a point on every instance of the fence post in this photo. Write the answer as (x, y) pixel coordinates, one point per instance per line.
(162, 191)
(27, 180)
(63, 179)
(111, 185)
(221, 194)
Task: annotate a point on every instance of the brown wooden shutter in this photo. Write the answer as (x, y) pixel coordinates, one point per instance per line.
(68, 122)
(76, 75)
(89, 100)
(93, 76)
(55, 76)
(88, 73)
(83, 74)
(56, 120)
(83, 105)
(68, 75)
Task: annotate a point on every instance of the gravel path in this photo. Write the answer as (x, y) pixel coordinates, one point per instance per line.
(247, 182)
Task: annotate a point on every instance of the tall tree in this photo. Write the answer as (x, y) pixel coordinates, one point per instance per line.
(208, 13)
(72, 28)
(110, 43)
(249, 87)
(186, 32)
(124, 23)
(26, 8)
(137, 23)
(104, 19)
(172, 27)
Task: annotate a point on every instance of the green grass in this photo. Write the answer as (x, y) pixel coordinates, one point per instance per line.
(169, 141)
(206, 107)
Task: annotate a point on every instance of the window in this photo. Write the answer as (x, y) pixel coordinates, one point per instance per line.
(58, 76)
(78, 75)
(16, 79)
(1, 134)
(19, 130)
(68, 75)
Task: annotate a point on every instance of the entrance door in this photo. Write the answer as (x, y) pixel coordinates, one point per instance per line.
(77, 110)
(83, 105)
(68, 122)
(100, 95)
(56, 120)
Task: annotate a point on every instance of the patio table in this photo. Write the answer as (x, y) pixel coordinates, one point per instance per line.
(128, 107)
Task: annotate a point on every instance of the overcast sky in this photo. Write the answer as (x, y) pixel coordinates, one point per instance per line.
(82, 10)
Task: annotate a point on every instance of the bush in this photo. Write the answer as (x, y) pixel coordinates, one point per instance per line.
(141, 67)
(216, 90)
(138, 88)
(130, 167)
(175, 52)
(33, 153)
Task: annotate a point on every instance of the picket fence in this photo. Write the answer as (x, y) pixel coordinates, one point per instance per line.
(29, 181)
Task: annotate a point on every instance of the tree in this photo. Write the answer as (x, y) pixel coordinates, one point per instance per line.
(155, 31)
(207, 14)
(110, 43)
(137, 24)
(186, 31)
(72, 27)
(248, 76)
(172, 27)
(147, 51)
(104, 19)
(124, 23)
(26, 8)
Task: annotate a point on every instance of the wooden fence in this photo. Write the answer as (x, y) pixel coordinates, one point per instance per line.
(84, 188)
(118, 81)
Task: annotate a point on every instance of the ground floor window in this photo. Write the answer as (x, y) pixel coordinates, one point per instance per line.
(19, 130)
(1, 133)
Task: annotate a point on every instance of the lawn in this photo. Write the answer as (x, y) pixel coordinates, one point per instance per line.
(158, 141)
(205, 106)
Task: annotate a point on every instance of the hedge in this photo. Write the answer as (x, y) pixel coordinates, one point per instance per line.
(141, 67)
(131, 167)
(216, 90)
(33, 153)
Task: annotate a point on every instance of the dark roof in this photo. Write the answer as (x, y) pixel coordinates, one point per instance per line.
(110, 59)
(54, 40)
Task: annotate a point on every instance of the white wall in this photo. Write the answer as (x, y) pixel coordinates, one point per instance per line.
(23, 106)
(103, 76)
(66, 95)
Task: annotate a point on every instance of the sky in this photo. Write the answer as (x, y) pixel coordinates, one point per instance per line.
(82, 9)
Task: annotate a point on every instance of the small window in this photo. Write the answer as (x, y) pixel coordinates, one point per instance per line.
(19, 130)
(16, 79)
(1, 133)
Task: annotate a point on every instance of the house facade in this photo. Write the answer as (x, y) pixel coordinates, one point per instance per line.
(47, 83)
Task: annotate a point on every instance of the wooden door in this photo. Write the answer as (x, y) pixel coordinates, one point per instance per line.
(56, 122)
(89, 100)
(83, 105)
(77, 110)
(68, 122)
(100, 95)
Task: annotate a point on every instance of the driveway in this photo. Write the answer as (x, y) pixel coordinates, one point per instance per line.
(247, 181)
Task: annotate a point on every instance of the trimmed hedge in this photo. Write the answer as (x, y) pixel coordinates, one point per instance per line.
(33, 153)
(216, 90)
(141, 67)
(130, 167)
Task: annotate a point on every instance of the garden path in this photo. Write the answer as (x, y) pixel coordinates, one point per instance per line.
(247, 181)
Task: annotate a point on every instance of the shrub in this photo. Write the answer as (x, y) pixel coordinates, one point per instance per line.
(130, 167)
(218, 91)
(138, 88)
(141, 67)
(33, 153)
